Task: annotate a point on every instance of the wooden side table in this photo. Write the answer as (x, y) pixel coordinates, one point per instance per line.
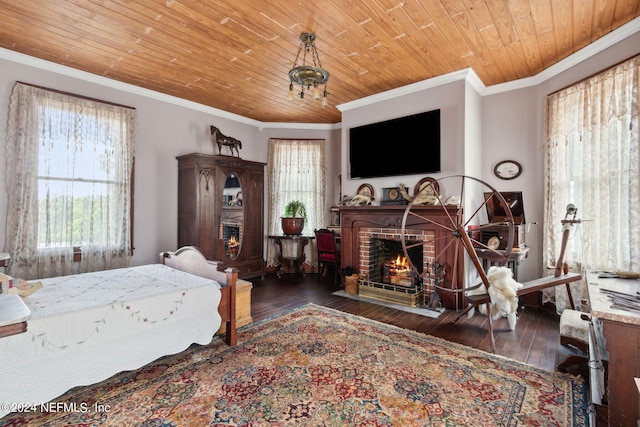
(14, 314)
(291, 253)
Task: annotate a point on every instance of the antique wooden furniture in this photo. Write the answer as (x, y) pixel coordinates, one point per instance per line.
(243, 305)
(328, 251)
(291, 255)
(189, 259)
(216, 194)
(465, 238)
(614, 351)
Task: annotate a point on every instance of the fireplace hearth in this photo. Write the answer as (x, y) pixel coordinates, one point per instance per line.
(362, 224)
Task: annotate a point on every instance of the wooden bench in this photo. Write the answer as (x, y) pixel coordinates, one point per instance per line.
(527, 288)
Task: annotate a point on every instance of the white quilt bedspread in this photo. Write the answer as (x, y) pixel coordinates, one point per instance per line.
(85, 328)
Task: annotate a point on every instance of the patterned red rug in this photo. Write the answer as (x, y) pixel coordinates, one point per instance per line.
(315, 366)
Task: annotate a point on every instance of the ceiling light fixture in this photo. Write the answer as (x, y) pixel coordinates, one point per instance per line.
(310, 75)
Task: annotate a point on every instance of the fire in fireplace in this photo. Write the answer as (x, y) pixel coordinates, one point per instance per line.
(231, 237)
(397, 272)
(389, 264)
(387, 272)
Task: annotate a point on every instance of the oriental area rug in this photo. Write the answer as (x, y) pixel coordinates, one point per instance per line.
(315, 366)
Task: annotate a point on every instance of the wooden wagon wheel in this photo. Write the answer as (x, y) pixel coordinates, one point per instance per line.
(469, 196)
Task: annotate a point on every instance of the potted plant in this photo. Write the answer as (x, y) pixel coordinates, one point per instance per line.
(295, 213)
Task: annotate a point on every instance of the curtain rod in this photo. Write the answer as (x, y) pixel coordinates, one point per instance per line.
(592, 75)
(76, 95)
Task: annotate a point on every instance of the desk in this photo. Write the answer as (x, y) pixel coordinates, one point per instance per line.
(615, 336)
(291, 253)
(490, 258)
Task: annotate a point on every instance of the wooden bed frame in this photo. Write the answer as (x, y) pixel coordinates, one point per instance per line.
(189, 259)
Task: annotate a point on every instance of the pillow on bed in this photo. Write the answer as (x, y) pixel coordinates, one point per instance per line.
(9, 285)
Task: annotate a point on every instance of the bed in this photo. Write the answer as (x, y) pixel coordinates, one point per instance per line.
(87, 327)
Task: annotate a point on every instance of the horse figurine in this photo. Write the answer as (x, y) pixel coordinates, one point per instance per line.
(222, 139)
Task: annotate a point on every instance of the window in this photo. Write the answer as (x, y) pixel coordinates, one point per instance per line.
(296, 171)
(593, 162)
(75, 186)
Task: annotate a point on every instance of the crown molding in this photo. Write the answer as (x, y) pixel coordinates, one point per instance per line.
(406, 90)
(116, 84)
(467, 75)
(603, 43)
(606, 41)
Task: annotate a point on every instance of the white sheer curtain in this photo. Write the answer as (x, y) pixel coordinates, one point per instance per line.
(592, 160)
(296, 171)
(68, 169)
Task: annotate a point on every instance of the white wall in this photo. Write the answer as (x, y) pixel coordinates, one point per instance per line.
(508, 133)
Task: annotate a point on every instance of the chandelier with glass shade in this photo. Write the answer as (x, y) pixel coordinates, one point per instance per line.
(309, 75)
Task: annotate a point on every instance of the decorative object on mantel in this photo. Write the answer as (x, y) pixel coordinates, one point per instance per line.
(430, 184)
(508, 169)
(392, 196)
(453, 200)
(311, 74)
(366, 190)
(364, 196)
(222, 139)
(293, 220)
(426, 196)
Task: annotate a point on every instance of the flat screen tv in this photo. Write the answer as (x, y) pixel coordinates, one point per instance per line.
(404, 146)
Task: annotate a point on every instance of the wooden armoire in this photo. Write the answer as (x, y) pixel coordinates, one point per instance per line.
(221, 210)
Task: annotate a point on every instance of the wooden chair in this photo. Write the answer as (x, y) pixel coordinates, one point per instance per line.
(328, 251)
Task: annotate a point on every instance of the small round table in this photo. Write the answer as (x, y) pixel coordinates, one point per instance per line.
(291, 253)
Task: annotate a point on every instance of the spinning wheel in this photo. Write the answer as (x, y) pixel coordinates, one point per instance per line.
(463, 228)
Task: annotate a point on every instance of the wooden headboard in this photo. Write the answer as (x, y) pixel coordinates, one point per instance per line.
(191, 260)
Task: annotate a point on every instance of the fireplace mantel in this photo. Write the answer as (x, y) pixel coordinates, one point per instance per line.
(352, 218)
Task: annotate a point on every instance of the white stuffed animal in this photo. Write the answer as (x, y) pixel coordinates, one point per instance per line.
(503, 291)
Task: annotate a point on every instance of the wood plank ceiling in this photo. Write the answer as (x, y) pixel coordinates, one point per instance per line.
(234, 55)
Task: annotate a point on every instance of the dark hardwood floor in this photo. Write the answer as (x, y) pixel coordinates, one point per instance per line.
(535, 340)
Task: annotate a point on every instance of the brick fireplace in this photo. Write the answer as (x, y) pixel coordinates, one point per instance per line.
(384, 270)
(361, 224)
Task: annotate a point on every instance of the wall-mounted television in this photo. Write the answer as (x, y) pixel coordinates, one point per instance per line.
(404, 146)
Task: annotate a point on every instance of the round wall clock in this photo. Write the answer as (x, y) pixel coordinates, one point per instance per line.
(507, 169)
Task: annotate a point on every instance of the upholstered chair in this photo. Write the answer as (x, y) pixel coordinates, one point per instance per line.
(328, 251)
